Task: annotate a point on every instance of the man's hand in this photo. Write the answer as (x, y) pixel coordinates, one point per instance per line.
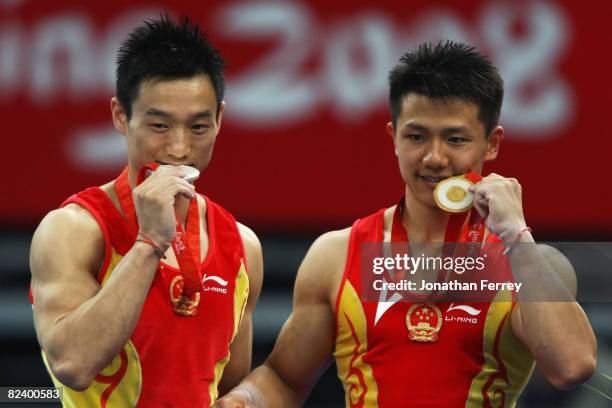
(154, 202)
(499, 201)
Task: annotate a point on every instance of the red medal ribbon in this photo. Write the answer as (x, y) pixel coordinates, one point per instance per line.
(187, 259)
(455, 231)
(186, 246)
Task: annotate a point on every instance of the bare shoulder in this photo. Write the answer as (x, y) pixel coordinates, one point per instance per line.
(73, 214)
(70, 231)
(249, 238)
(252, 249)
(331, 246)
(321, 271)
(68, 221)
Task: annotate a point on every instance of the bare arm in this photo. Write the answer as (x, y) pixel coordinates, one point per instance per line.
(72, 312)
(557, 333)
(242, 346)
(303, 350)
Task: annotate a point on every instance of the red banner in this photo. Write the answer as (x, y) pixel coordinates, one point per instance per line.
(303, 145)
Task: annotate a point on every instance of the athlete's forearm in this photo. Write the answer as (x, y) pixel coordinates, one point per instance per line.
(562, 341)
(555, 327)
(263, 387)
(85, 340)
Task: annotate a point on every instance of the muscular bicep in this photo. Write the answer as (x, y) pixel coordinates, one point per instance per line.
(305, 345)
(66, 250)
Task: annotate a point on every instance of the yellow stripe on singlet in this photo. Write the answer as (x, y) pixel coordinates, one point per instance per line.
(118, 385)
(351, 345)
(508, 363)
(241, 295)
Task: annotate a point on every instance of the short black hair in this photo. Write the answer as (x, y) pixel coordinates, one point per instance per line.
(167, 49)
(448, 70)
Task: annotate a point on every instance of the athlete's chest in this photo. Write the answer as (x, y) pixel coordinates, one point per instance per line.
(418, 326)
(168, 310)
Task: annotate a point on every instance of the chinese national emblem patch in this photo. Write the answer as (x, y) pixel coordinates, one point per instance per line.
(424, 321)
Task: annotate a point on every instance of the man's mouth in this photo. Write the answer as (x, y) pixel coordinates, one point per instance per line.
(174, 164)
(432, 179)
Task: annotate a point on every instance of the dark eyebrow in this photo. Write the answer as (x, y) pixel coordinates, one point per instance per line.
(452, 130)
(200, 115)
(416, 126)
(157, 112)
(446, 131)
(160, 113)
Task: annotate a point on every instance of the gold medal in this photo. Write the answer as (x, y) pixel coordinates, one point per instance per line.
(455, 194)
(424, 321)
(452, 194)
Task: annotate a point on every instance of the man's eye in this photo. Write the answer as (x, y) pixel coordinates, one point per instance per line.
(159, 126)
(415, 137)
(457, 139)
(199, 127)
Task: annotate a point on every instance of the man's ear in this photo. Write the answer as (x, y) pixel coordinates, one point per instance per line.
(391, 133)
(220, 110)
(494, 142)
(119, 116)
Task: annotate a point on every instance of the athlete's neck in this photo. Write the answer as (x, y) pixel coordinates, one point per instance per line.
(424, 223)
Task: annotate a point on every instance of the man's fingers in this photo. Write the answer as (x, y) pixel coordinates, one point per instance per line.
(480, 202)
(482, 208)
(178, 188)
(187, 194)
(162, 175)
(162, 183)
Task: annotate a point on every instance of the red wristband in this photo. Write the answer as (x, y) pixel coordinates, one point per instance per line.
(516, 240)
(143, 238)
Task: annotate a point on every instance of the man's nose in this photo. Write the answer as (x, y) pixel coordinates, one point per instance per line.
(435, 156)
(179, 145)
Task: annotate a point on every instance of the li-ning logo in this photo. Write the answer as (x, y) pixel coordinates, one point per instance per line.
(462, 319)
(216, 279)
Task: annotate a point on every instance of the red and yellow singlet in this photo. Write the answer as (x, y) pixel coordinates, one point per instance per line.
(170, 360)
(476, 360)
